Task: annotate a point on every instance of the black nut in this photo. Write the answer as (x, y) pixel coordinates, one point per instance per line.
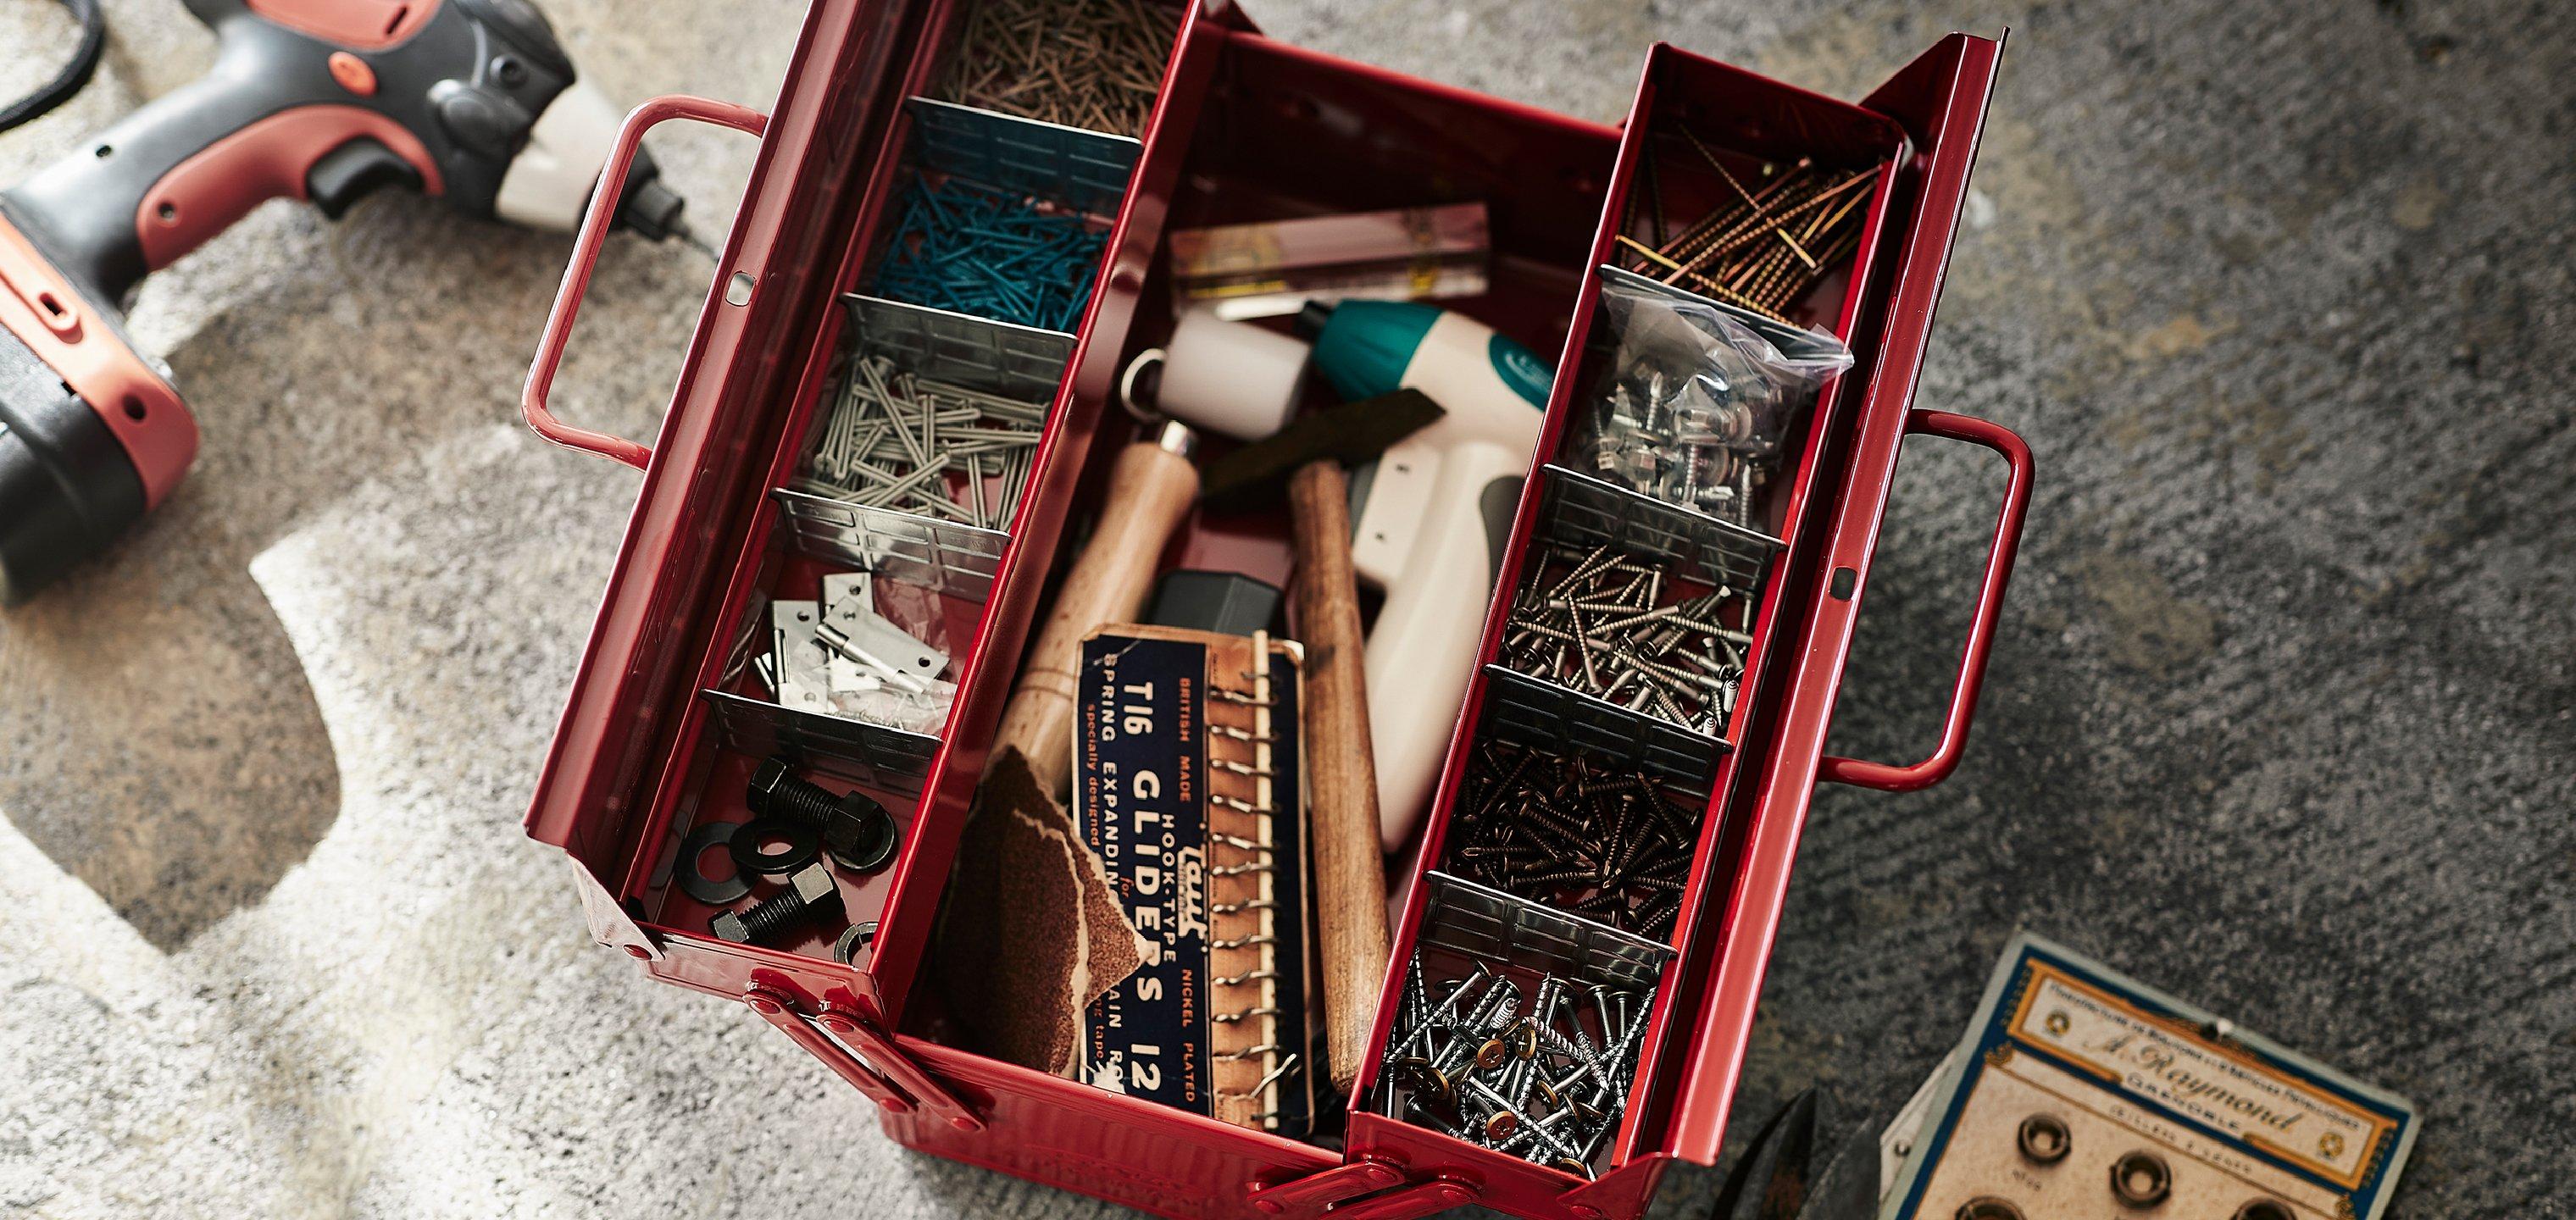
(862, 842)
(2044, 1139)
(2140, 1180)
(857, 832)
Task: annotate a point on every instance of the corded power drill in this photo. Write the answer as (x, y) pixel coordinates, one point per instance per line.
(470, 101)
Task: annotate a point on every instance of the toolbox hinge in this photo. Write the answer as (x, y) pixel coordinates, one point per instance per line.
(1334, 1188)
(880, 1049)
(780, 1011)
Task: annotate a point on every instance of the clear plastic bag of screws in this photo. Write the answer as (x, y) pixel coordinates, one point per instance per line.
(1697, 400)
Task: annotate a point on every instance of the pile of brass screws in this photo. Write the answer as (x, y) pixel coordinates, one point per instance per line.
(890, 440)
(1614, 628)
(1541, 1083)
(1602, 843)
(1764, 247)
(1095, 64)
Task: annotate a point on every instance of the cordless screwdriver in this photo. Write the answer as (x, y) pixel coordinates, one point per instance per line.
(469, 101)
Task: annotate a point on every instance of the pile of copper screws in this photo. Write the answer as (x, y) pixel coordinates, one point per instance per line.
(1767, 244)
(894, 440)
(1095, 64)
(1547, 1082)
(1620, 630)
(1602, 843)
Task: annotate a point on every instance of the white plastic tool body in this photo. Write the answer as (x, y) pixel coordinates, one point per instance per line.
(1424, 536)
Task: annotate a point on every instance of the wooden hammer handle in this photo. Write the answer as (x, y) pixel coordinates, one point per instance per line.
(1150, 492)
(1341, 772)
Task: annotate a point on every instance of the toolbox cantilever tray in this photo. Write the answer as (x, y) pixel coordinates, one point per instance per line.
(662, 730)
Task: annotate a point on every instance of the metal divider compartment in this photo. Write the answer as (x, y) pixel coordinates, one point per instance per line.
(1247, 129)
(787, 538)
(1012, 156)
(1580, 513)
(1743, 117)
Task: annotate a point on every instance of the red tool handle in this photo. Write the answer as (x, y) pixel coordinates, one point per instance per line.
(585, 257)
(1981, 629)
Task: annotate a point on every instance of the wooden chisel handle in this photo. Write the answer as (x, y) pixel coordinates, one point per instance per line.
(1341, 772)
(1150, 492)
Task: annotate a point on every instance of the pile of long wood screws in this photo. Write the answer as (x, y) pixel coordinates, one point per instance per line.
(1541, 1083)
(1095, 64)
(891, 440)
(1605, 626)
(1602, 843)
(1768, 244)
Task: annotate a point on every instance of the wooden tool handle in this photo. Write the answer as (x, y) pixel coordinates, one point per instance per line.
(1150, 491)
(1341, 772)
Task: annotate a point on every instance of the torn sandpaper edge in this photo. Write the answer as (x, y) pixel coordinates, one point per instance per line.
(1029, 929)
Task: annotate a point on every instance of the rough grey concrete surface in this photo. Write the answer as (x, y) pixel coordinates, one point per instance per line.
(2279, 718)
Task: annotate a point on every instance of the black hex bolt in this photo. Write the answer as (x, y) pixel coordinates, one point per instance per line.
(810, 889)
(858, 832)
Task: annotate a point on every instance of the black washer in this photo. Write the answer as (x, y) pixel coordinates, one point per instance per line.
(801, 845)
(694, 882)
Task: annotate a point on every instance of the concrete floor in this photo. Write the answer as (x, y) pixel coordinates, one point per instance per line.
(2280, 717)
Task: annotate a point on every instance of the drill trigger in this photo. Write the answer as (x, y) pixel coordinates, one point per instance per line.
(354, 170)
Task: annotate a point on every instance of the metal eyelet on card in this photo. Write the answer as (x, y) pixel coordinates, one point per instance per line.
(2140, 1179)
(1988, 1208)
(2044, 1139)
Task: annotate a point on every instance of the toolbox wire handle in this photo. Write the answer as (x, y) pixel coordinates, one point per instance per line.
(1981, 629)
(595, 221)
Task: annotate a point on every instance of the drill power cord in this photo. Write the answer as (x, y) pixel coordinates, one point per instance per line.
(68, 81)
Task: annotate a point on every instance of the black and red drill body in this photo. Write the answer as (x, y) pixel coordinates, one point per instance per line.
(470, 101)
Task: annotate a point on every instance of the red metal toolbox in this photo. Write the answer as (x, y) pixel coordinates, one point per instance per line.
(662, 727)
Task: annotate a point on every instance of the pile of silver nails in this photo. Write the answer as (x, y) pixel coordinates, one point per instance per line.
(1538, 1082)
(891, 440)
(1620, 631)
